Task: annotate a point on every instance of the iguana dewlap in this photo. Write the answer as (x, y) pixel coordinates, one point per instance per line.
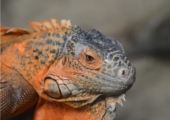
(68, 73)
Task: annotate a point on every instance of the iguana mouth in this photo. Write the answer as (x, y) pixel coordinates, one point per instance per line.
(109, 85)
(62, 89)
(56, 92)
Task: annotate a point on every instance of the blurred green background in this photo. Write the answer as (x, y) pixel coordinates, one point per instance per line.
(142, 26)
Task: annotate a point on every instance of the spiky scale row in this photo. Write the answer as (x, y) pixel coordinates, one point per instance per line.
(38, 27)
(53, 25)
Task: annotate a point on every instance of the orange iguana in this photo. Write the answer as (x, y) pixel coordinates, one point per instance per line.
(69, 74)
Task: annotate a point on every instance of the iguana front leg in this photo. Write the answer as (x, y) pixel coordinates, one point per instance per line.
(16, 94)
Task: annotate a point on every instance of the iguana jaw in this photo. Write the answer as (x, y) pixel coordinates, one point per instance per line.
(72, 95)
(64, 84)
(84, 98)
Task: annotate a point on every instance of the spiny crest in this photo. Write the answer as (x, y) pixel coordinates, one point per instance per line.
(38, 27)
(53, 25)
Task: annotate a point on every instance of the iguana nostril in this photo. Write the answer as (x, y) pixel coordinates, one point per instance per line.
(123, 72)
(51, 88)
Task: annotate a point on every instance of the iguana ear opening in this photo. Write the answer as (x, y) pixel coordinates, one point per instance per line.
(90, 59)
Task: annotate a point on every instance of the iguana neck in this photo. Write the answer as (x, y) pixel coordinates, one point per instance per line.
(32, 54)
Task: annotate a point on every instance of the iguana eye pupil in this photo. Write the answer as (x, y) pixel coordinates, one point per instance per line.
(89, 58)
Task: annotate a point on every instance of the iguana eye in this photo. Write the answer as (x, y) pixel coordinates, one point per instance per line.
(90, 59)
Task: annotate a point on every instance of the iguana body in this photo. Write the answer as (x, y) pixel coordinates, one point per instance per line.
(69, 73)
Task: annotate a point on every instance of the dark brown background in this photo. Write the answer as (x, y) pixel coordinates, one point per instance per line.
(142, 26)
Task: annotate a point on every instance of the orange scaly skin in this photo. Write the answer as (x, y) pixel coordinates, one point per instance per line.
(67, 73)
(14, 53)
(16, 48)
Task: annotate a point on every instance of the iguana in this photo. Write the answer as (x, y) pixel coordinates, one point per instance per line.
(69, 74)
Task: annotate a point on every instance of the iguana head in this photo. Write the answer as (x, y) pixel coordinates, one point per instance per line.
(89, 65)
